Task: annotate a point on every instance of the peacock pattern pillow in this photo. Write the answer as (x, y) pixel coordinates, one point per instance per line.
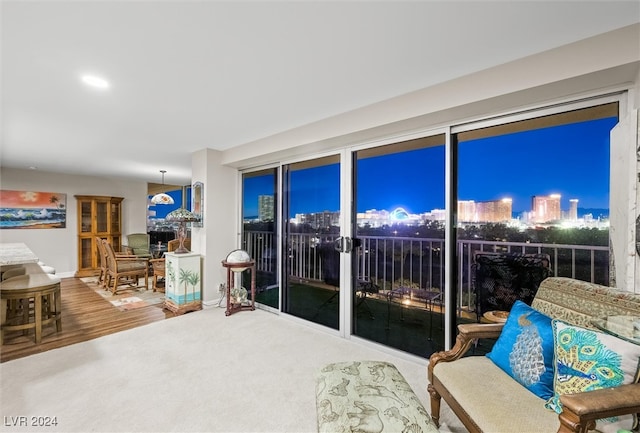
(586, 360)
(524, 349)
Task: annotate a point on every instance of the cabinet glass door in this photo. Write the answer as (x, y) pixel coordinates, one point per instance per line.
(85, 254)
(85, 217)
(115, 217)
(101, 216)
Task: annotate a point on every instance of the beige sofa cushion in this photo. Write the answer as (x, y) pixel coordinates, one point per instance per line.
(578, 302)
(525, 413)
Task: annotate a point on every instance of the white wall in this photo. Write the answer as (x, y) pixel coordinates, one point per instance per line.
(605, 62)
(59, 247)
(220, 232)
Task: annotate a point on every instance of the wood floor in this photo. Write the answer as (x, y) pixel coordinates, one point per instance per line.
(85, 315)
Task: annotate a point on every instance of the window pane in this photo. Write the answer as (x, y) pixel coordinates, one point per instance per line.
(259, 237)
(534, 192)
(400, 220)
(312, 266)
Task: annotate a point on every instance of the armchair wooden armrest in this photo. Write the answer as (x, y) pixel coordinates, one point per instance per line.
(581, 410)
(126, 250)
(468, 333)
(130, 258)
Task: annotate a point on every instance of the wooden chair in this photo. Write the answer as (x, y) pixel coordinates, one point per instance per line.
(158, 266)
(102, 278)
(175, 243)
(129, 268)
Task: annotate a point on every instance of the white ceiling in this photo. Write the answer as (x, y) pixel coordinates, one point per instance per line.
(188, 75)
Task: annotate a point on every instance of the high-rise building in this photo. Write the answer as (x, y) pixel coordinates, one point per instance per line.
(573, 209)
(546, 208)
(265, 208)
(467, 211)
(494, 210)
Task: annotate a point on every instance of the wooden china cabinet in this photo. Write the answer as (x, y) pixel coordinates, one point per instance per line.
(97, 216)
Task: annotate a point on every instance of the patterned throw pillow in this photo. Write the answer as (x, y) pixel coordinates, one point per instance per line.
(586, 360)
(524, 349)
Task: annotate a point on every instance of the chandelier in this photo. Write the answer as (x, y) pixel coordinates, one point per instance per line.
(162, 198)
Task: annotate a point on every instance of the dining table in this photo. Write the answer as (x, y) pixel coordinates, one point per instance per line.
(16, 253)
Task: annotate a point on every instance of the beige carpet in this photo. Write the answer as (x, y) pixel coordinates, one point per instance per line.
(200, 372)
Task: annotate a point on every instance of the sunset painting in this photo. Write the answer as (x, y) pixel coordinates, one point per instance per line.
(32, 210)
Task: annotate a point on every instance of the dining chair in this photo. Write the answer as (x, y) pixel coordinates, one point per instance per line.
(125, 269)
(102, 277)
(173, 245)
(158, 267)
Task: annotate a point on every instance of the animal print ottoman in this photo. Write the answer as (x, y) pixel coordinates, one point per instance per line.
(368, 397)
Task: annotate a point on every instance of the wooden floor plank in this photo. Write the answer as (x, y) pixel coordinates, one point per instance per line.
(85, 315)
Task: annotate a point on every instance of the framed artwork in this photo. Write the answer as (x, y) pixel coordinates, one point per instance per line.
(32, 210)
(197, 203)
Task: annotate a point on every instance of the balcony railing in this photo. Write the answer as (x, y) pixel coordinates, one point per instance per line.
(391, 262)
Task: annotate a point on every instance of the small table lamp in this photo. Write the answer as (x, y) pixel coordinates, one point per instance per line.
(182, 217)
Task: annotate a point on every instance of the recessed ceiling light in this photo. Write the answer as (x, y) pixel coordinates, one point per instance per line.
(95, 81)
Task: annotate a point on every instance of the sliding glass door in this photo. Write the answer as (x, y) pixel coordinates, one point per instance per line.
(532, 202)
(382, 242)
(311, 226)
(399, 225)
(260, 231)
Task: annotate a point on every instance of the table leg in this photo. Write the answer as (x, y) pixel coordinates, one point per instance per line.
(38, 317)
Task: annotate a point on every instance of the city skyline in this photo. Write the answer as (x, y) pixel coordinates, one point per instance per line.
(570, 160)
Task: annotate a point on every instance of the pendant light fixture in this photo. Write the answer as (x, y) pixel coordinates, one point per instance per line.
(162, 198)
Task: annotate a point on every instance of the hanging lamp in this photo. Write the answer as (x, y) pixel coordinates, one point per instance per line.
(162, 198)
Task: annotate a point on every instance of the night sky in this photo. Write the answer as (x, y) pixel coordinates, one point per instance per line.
(163, 209)
(571, 160)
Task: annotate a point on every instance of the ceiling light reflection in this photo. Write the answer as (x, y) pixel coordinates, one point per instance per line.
(95, 81)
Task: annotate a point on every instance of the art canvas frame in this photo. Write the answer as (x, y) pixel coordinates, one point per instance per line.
(32, 210)
(197, 203)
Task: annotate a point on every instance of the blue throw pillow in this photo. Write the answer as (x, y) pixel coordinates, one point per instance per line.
(524, 349)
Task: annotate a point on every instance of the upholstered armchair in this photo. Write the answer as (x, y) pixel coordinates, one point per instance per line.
(125, 269)
(138, 245)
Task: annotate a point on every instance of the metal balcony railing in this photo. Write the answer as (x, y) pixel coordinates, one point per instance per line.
(391, 262)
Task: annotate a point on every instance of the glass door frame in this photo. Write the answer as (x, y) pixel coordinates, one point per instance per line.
(449, 289)
(449, 129)
(344, 322)
(348, 220)
(278, 226)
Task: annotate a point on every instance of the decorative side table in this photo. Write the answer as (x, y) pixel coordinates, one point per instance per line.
(235, 302)
(182, 282)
